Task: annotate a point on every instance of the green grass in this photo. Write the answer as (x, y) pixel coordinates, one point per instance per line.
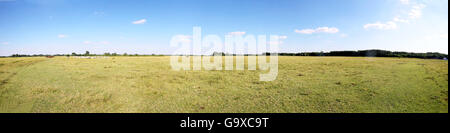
(147, 84)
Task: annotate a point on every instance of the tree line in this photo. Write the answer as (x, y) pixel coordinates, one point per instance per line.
(87, 53)
(371, 53)
(359, 53)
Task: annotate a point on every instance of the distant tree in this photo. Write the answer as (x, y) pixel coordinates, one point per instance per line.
(218, 54)
(87, 53)
(114, 54)
(370, 53)
(20, 55)
(125, 54)
(74, 54)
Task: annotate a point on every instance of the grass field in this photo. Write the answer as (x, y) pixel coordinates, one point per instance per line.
(147, 84)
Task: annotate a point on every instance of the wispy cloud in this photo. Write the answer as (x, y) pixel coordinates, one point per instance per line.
(237, 33)
(5, 43)
(142, 21)
(318, 30)
(406, 2)
(381, 26)
(400, 20)
(62, 36)
(416, 11)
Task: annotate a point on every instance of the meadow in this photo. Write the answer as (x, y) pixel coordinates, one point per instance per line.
(149, 85)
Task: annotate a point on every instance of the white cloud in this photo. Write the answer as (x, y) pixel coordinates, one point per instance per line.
(416, 11)
(5, 43)
(344, 35)
(327, 30)
(142, 21)
(381, 26)
(305, 31)
(62, 36)
(318, 30)
(87, 42)
(237, 33)
(398, 19)
(406, 2)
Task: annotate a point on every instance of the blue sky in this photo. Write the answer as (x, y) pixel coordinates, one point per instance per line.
(146, 27)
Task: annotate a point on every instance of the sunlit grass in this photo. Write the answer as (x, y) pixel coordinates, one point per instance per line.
(148, 84)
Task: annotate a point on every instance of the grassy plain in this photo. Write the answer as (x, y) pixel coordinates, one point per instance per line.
(147, 84)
